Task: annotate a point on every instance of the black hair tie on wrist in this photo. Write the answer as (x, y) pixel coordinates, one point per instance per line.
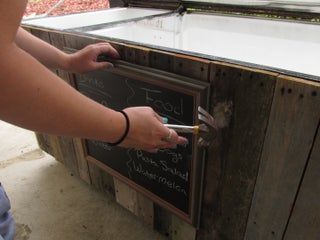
(125, 132)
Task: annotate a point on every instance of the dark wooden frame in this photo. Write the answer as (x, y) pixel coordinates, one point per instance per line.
(200, 92)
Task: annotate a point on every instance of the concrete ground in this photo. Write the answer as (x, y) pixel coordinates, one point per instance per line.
(48, 203)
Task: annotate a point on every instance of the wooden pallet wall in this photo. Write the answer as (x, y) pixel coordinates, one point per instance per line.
(241, 101)
(260, 169)
(292, 128)
(305, 218)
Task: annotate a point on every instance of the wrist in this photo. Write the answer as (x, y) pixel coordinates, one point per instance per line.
(125, 129)
(66, 63)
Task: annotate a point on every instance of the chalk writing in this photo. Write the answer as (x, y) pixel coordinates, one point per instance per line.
(175, 156)
(97, 84)
(138, 168)
(93, 91)
(153, 98)
(174, 171)
(146, 159)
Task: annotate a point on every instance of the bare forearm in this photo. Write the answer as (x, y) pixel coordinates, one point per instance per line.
(48, 55)
(34, 98)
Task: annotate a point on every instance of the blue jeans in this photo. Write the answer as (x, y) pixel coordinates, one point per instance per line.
(6, 219)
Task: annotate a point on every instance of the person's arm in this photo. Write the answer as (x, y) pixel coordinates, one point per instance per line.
(81, 61)
(34, 98)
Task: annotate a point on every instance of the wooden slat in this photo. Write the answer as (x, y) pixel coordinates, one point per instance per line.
(182, 230)
(50, 144)
(129, 54)
(161, 60)
(56, 149)
(42, 34)
(81, 160)
(78, 42)
(163, 221)
(144, 209)
(57, 40)
(134, 202)
(43, 142)
(292, 125)
(191, 67)
(241, 102)
(142, 56)
(136, 55)
(171, 226)
(101, 180)
(305, 220)
(68, 154)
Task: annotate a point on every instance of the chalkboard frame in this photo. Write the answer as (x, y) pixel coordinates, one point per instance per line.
(199, 90)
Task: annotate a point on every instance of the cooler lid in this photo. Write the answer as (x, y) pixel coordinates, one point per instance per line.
(301, 9)
(296, 8)
(160, 4)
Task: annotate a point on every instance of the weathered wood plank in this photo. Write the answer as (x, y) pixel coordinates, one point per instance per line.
(305, 219)
(56, 149)
(171, 226)
(43, 142)
(57, 40)
(191, 67)
(163, 221)
(161, 60)
(81, 160)
(50, 144)
(241, 102)
(129, 54)
(182, 230)
(136, 55)
(42, 34)
(78, 42)
(68, 154)
(144, 210)
(101, 180)
(134, 202)
(292, 125)
(142, 56)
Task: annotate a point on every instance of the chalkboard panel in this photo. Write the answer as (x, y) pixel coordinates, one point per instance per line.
(171, 176)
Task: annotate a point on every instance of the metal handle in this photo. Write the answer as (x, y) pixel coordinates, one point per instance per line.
(183, 128)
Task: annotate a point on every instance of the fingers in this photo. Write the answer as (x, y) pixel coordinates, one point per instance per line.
(101, 65)
(158, 117)
(153, 137)
(106, 48)
(171, 140)
(182, 141)
(155, 150)
(175, 139)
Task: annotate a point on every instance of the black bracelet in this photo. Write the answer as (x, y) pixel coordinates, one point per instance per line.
(125, 132)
